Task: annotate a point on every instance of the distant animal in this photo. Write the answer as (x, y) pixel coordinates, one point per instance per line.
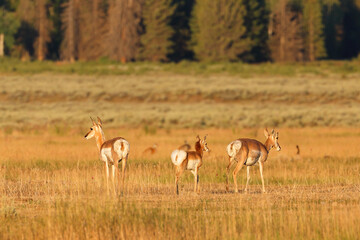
(150, 150)
(189, 160)
(297, 150)
(244, 151)
(112, 152)
(185, 146)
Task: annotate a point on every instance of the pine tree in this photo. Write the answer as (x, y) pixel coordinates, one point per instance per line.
(123, 36)
(43, 29)
(181, 38)
(70, 28)
(333, 29)
(9, 24)
(286, 41)
(313, 29)
(219, 33)
(256, 22)
(156, 43)
(27, 33)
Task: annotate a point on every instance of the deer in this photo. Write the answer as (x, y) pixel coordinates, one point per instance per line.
(111, 152)
(185, 146)
(248, 152)
(189, 160)
(150, 150)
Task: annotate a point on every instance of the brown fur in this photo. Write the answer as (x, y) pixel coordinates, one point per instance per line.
(200, 146)
(96, 131)
(110, 144)
(251, 148)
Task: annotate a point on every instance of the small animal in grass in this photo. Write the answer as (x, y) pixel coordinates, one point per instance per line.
(150, 150)
(297, 150)
(248, 152)
(112, 152)
(189, 160)
(185, 146)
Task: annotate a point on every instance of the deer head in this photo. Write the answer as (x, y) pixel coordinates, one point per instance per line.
(95, 130)
(203, 144)
(272, 139)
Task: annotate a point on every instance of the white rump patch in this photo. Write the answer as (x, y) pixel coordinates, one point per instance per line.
(233, 148)
(178, 156)
(126, 148)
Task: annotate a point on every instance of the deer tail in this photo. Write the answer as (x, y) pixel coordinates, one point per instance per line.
(178, 156)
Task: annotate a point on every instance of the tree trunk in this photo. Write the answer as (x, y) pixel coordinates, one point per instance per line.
(1, 44)
(311, 38)
(42, 31)
(282, 29)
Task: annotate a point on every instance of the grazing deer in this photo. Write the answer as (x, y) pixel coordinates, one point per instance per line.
(150, 150)
(111, 152)
(185, 147)
(248, 152)
(189, 160)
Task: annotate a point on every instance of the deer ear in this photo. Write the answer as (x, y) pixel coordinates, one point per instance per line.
(93, 122)
(266, 133)
(272, 132)
(99, 121)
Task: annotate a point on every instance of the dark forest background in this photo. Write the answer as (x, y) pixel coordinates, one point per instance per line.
(175, 30)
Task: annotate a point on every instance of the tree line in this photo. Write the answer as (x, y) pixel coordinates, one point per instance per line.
(174, 30)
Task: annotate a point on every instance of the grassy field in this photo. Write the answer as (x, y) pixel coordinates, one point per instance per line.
(309, 96)
(52, 183)
(52, 186)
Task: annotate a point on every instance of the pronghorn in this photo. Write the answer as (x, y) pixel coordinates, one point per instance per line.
(185, 146)
(150, 150)
(111, 152)
(189, 160)
(248, 152)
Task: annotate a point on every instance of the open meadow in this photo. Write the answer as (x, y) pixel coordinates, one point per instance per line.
(52, 182)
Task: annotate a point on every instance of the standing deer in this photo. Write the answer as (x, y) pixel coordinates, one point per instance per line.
(185, 146)
(248, 152)
(112, 152)
(189, 160)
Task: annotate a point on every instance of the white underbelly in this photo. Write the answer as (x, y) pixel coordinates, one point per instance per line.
(251, 161)
(192, 164)
(106, 155)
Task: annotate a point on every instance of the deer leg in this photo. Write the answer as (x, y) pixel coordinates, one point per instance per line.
(198, 185)
(179, 171)
(118, 177)
(261, 174)
(236, 170)
(248, 178)
(113, 177)
(196, 178)
(107, 176)
(232, 161)
(123, 172)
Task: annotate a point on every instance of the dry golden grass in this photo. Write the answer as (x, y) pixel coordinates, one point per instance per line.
(52, 187)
